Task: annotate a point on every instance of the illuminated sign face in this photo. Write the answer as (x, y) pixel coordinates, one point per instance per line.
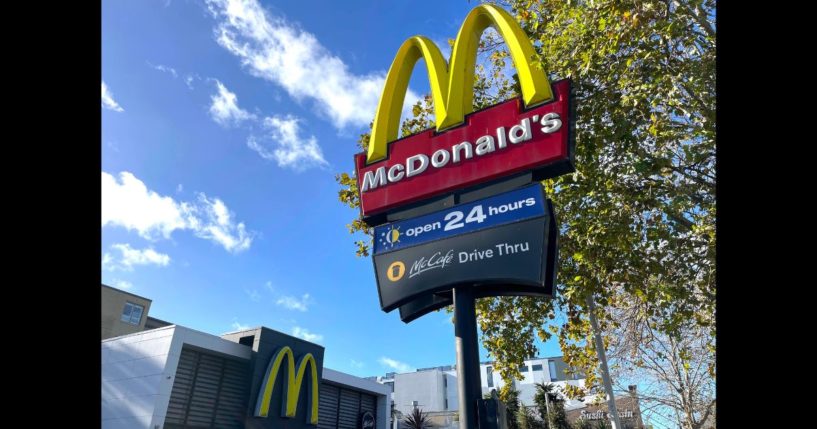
(530, 133)
(503, 244)
(292, 385)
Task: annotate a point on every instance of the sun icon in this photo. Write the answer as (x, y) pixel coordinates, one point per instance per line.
(391, 237)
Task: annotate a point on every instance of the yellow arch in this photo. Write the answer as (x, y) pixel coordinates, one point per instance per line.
(293, 385)
(452, 87)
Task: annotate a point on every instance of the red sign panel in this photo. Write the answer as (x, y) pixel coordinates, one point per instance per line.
(499, 141)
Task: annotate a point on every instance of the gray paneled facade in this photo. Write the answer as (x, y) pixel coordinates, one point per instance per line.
(190, 379)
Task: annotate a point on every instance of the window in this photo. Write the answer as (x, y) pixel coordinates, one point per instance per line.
(446, 403)
(445, 381)
(523, 368)
(537, 368)
(489, 375)
(132, 313)
(552, 369)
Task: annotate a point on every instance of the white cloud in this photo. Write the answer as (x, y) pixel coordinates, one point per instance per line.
(188, 80)
(239, 327)
(268, 285)
(122, 284)
(306, 335)
(107, 99)
(165, 69)
(290, 148)
(253, 294)
(356, 364)
(276, 50)
(218, 225)
(107, 261)
(130, 204)
(224, 108)
(130, 257)
(293, 303)
(395, 364)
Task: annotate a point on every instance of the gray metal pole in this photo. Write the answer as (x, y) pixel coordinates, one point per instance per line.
(605, 372)
(469, 389)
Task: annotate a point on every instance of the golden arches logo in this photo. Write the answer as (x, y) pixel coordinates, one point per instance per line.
(293, 385)
(452, 84)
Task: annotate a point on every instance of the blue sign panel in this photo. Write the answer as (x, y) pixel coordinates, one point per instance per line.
(514, 206)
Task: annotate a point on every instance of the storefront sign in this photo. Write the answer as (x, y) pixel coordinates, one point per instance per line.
(425, 304)
(512, 257)
(603, 415)
(292, 385)
(514, 206)
(529, 133)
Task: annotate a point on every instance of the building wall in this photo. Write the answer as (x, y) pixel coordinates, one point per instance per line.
(209, 390)
(425, 387)
(139, 373)
(443, 419)
(367, 388)
(451, 391)
(154, 323)
(133, 377)
(265, 344)
(113, 302)
(561, 369)
(529, 375)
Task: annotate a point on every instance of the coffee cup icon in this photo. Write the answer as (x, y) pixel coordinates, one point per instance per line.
(395, 271)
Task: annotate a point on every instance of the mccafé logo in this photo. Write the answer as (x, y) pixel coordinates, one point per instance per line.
(466, 148)
(292, 385)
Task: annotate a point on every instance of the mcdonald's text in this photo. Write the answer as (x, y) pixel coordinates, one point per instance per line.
(499, 141)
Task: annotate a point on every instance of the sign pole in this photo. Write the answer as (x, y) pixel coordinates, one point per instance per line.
(605, 372)
(469, 389)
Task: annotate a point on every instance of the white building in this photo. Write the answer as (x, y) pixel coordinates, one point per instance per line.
(434, 390)
(175, 377)
(538, 370)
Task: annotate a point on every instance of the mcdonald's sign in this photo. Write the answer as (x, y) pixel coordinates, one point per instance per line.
(466, 148)
(292, 385)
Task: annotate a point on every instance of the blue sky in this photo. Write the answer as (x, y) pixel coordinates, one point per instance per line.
(223, 125)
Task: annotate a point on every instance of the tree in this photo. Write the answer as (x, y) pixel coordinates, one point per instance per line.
(511, 401)
(551, 406)
(637, 218)
(674, 370)
(639, 211)
(527, 420)
(417, 420)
